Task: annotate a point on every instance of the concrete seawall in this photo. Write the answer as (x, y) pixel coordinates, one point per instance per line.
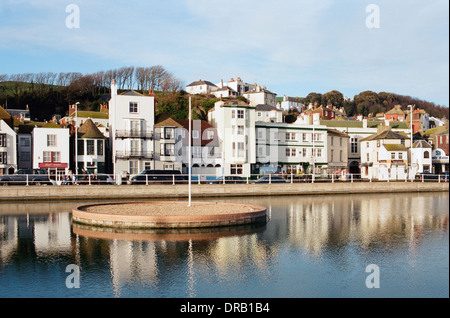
(39, 193)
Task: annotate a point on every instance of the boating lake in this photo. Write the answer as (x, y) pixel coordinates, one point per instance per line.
(350, 246)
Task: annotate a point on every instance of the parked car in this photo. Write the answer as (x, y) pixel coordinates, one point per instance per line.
(100, 178)
(21, 177)
(271, 179)
(429, 176)
(228, 179)
(159, 176)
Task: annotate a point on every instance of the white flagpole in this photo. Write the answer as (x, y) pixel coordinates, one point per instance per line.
(190, 140)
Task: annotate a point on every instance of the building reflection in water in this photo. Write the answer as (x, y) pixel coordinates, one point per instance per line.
(158, 260)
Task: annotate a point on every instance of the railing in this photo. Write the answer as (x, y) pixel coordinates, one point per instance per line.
(134, 134)
(148, 179)
(134, 154)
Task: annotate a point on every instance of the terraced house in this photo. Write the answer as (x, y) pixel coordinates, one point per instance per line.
(8, 137)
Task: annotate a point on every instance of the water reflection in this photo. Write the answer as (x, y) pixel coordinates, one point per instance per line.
(329, 230)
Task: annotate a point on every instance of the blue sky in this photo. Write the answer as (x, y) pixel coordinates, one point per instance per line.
(293, 47)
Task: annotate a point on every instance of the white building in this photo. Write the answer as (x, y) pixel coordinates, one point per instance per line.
(91, 148)
(235, 124)
(421, 157)
(337, 150)
(261, 96)
(384, 156)
(131, 120)
(292, 148)
(8, 152)
(51, 150)
(268, 114)
(291, 103)
(201, 87)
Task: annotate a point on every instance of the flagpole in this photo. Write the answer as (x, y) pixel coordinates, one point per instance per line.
(189, 151)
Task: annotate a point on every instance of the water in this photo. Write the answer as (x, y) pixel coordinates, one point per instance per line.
(313, 246)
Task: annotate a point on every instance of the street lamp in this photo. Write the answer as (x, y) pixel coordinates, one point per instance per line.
(76, 139)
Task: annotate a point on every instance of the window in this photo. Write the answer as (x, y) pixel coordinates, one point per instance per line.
(133, 110)
(332, 142)
(25, 156)
(195, 134)
(290, 152)
(304, 136)
(305, 152)
(90, 150)
(318, 152)
(233, 113)
(368, 157)
(3, 158)
(169, 133)
(51, 140)
(340, 156)
(400, 155)
(291, 136)
(259, 114)
(237, 169)
(47, 156)
(340, 142)
(3, 140)
(393, 155)
(426, 154)
(240, 114)
(135, 147)
(148, 165)
(354, 145)
(196, 152)
(56, 156)
(332, 154)
(100, 147)
(134, 167)
(260, 134)
(241, 149)
(80, 147)
(170, 150)
(240, 130)
(24, 142)
(378, 143)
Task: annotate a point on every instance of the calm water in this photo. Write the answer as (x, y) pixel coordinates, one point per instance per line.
(317, 246)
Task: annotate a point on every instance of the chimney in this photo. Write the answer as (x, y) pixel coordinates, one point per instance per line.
(150, 93)
(221, 83)
(364, 123)
(113, 88)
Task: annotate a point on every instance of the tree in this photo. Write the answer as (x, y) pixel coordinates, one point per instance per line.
(334, 98)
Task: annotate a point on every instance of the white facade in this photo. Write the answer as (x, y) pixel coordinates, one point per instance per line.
(384, 156)
(261, 97)
(292, 148)
(337, 149)
(131, 120)
(289, 103)
(421, 157)
(235, 124)
(8, 152)
(51, 150)
(201, 87)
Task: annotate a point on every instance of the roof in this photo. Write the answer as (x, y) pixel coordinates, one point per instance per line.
(395, 147)
(90, 114)
(337, 133)
(396, 111)
(167, 122)
(386, 134)
(89, 130)
(132, 93)
(265, 107)
(421, 144)
(4, 115)
(235, 102)
(200, 82)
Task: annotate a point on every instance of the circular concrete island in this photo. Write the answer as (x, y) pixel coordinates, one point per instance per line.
(168, 214)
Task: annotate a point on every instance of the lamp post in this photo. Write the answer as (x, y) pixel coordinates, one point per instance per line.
(411, 135)
(76, 139)
(189, 151)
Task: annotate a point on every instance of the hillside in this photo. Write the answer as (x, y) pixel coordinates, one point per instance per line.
(45, 100)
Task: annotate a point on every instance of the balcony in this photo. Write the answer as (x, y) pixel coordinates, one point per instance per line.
(134, 134)
(134, 154)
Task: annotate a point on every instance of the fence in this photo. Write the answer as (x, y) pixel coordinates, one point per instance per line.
(148, 179)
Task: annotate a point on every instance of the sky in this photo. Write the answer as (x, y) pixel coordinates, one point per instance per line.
(293, 47)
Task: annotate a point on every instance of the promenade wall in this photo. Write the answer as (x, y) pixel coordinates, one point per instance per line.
(107, 192)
